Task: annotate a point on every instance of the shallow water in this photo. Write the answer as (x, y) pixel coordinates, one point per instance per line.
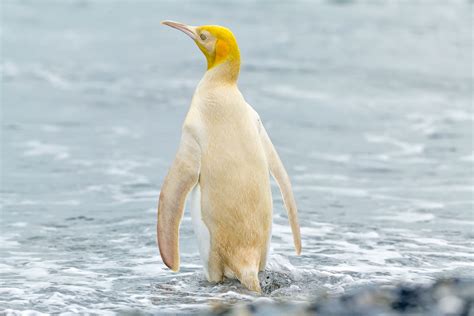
(369, 105)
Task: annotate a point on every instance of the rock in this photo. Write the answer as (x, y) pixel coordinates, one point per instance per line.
(446, 297)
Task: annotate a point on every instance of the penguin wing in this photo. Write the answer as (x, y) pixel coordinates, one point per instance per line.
(182, 177)
(281, 177)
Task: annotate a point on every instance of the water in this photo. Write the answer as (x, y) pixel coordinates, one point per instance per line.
(368, 103)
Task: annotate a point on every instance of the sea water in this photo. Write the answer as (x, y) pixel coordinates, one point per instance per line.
(367, 102)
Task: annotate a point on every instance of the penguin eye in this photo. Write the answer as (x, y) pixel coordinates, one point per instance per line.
(203, 37)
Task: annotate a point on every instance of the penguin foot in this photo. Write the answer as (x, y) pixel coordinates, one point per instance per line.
(251, 282)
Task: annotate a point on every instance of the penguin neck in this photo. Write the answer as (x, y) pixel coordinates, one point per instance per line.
(226, 72)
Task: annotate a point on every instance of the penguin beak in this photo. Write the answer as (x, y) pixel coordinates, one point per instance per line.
(187, 29)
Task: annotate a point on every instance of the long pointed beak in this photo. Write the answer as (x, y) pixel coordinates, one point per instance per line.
(187, 29)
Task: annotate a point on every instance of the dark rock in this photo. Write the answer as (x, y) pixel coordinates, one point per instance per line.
(446, 297)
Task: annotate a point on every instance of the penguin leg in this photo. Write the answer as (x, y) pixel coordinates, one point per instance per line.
(265, 251)
(246, 270)
(215, 268)
(249, 279)
(263, 261)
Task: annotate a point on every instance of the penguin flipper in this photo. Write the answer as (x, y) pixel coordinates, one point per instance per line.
(281, 177)
(182, 177)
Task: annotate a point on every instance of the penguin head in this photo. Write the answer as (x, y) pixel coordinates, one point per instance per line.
(216, 42)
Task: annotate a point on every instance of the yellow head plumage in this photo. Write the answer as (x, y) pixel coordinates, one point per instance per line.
(216, 42)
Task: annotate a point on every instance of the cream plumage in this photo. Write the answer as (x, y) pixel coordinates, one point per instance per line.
(224, 158)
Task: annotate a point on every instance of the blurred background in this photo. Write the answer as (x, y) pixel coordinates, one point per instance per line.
(369, 104)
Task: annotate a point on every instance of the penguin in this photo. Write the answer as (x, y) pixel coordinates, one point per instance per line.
(223, 162)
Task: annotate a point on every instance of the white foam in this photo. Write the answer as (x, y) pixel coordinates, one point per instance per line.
(11, 291)
(353, 252)
(38, 148)
(50, 128)
(363, 235)
(300, 168)
(76, 271)
(405, 147)
(422, 123)
(429, 125)
(459, 115)
(316, 231)
(152, 210)
(67, 202)
(431, 241)
(58, 299)
(13, 70)
(121, 167)
(460, 222)
(283, 232)
(292, 92)
(407, 217)
(124, 131)
(429, 205)
(417, 203)
(9, 69)
(54, 78)
(82, 162)
(6, 242)
(318, 176)
(339, 190)
(468, 158)
(151, 269)
(126, 169)
(448, 255)
(279, 263)
(18, 224)
(341, 158)
(27, 312)
(34, 273)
